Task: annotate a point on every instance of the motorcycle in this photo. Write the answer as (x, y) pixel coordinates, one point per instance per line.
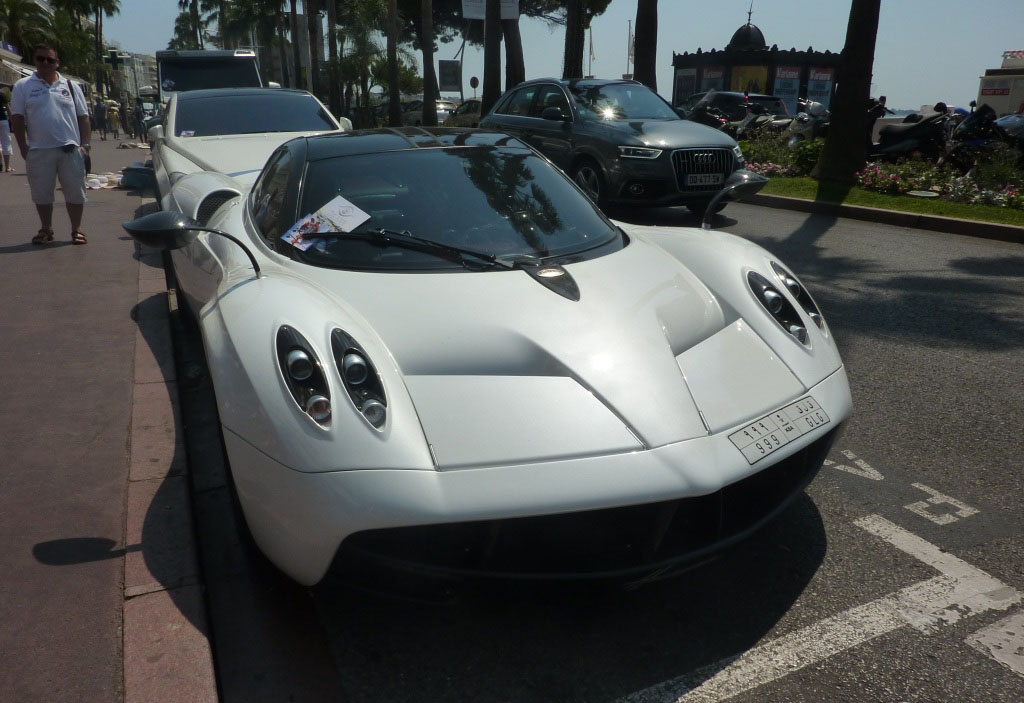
(978, 134)
(757, 119)
(926, 136)
(810, 123)
(703, 113)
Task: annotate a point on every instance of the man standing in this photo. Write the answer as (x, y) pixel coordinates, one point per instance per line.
(99, 117)
(50, 121)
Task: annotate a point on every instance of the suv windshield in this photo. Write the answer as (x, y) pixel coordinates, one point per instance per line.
(273, 111)
(620, 101)
(502, 201)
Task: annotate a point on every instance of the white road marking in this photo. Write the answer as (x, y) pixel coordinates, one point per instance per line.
(1003, 641)
(861, 468)
(921, 508)
(958, 592)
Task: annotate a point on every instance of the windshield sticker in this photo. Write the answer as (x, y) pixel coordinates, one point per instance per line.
(338, 215)
(188, 133)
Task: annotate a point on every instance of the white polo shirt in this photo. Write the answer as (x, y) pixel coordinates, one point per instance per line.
(50, 111)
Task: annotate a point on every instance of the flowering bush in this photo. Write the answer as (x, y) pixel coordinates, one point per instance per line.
(977, 187)
(772, 169)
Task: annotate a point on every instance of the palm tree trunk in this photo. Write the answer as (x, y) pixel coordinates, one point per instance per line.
(296, 56)
(282, 52)
(394, 94)
(429, 78)
(313, 26)
(645, 67)
(492, 57)
(572, 66)
(515, 65)
(333, 89)
(99, 47)
(846, 145)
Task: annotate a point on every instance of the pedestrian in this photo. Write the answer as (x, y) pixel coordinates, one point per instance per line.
(99, 116)
(50, 121)
(5, 133)
(114, 120)
(139, 118)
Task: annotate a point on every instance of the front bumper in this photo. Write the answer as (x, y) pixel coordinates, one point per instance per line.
(662, 181)
(301, 519)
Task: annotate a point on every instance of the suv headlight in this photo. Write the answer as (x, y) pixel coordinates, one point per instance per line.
(638, 152)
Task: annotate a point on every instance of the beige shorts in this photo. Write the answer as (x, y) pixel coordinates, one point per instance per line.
(44, 167)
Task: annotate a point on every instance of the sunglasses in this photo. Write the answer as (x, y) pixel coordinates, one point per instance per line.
(47, 59)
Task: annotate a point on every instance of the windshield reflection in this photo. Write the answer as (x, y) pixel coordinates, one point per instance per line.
(505, 201)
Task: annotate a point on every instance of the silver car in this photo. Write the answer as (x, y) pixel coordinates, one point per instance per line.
(619, 141)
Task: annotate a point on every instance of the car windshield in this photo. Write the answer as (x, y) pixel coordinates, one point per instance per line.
(773, 105)
(620, 101)
(272, 111)
(201, 73)
(501, 201)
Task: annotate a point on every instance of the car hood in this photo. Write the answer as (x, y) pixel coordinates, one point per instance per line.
(669, 133)
(499, 357)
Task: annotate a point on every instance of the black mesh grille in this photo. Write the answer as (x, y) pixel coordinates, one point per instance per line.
(702, 161)
(211, 203)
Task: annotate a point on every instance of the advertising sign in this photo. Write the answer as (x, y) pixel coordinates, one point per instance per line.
(819, 85)
(713, 78)
(749, 79)
(685, 85)
(477, 9)
(449, 76)
(787, 86)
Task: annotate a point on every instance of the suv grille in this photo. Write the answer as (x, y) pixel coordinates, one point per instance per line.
(702, 161)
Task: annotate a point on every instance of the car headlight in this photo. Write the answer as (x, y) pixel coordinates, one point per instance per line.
(638, 152)
(797, 290)
(303, 375)
(364, 387)
(778, 306)
(738, 153)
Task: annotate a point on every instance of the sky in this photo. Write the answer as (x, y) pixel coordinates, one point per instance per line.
(926, 50)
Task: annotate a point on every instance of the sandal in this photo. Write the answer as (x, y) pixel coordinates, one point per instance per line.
(78, 237)
(43, 236)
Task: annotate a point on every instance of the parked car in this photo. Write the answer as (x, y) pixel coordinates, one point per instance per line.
(619, 140)
(412, 111)
(733, 104)
(231, 130)
(429, 344)
(465, 115)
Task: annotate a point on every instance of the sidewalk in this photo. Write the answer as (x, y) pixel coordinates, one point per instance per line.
(100, 598)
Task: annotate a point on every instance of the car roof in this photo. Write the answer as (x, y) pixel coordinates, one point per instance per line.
(373, 141)
(224, 92)
(572, 82)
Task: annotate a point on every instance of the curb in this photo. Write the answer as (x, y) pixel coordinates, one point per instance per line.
(166, 632)
(897, 218)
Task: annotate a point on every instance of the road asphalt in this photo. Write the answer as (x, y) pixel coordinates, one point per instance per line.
(102, 597)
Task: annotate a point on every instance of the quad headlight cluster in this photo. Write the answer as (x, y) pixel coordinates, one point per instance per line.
(307, 381)
(779, 306)
(360, 379)
(304, 375)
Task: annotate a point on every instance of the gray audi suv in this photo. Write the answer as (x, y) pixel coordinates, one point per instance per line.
(619, 141)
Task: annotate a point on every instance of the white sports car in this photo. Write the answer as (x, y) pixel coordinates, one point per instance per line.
(231, 130)
(429, 345)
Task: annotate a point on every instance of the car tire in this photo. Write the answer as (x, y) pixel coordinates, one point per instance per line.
(590, 178)
(699, 207)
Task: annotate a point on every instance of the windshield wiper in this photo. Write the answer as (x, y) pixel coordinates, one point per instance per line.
(408, 240)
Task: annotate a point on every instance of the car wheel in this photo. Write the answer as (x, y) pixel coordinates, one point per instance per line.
(588, 176)
(699, 207)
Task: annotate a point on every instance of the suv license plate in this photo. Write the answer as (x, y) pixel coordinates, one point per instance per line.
(704, 179)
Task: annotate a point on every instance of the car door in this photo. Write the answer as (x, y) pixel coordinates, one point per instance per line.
(552, 137)
(512, 114)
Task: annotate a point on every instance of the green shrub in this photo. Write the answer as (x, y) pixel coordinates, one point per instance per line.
(806, 155)
(998, 168)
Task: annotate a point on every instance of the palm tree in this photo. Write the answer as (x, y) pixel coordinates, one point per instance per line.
(296, 58)
(846, 144)
(22, 23)
(645, 67)
(195, 19)
(572, 64)
(429, 79)
(394, 94)
(333, 88)
(492, 57)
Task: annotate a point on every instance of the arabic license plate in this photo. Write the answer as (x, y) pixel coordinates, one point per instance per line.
(777, 429)
(704, 179)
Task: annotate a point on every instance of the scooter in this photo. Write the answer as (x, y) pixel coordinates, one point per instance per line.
(810, 123)
(757, 119)
(978, 133)
(704, 114)
(926, 136)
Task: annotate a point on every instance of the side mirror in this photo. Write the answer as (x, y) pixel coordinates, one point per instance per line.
(553, 113)
(273, 84)
(156, 133)
(168, 230)
(741, 184)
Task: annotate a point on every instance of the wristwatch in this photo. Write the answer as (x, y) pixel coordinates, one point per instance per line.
(87, 147)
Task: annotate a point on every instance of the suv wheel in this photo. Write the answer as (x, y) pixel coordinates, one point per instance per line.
(587, 175)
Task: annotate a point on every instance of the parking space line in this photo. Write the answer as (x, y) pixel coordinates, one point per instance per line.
(958, 592)
(1003, 641)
